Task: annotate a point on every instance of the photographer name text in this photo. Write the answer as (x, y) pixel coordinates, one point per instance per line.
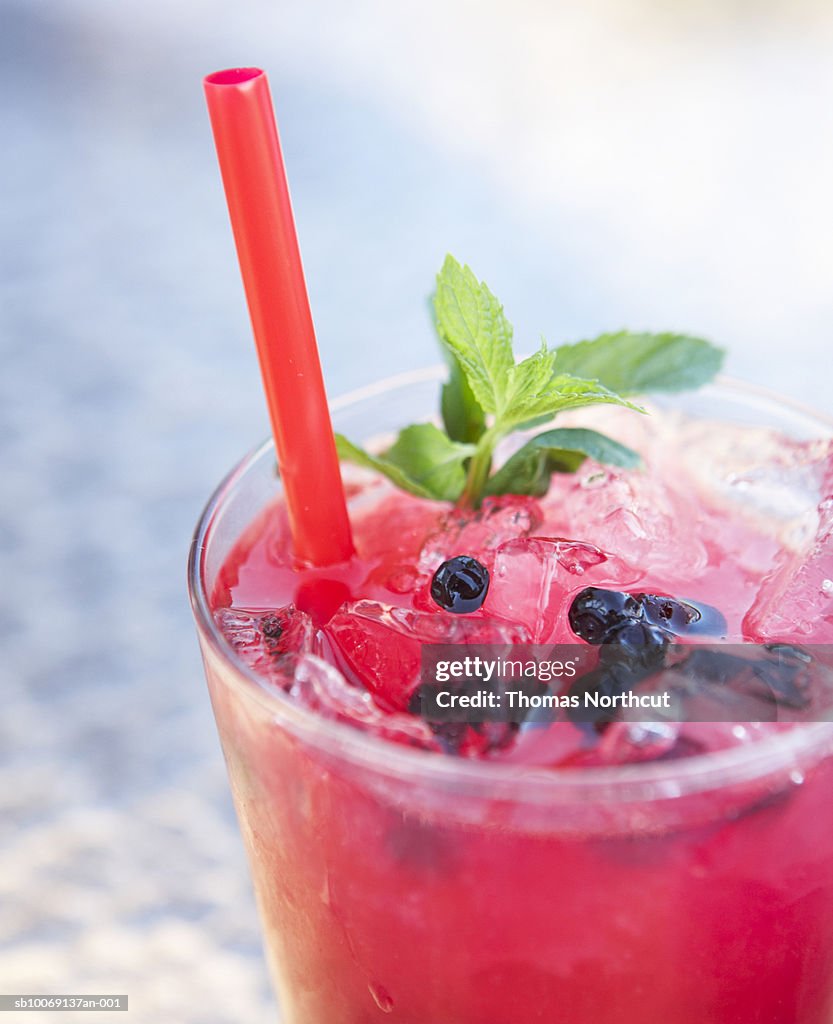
(518, 699)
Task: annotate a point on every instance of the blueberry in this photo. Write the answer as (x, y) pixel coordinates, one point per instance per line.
(639, 644)
(460, 584)
(595, 612)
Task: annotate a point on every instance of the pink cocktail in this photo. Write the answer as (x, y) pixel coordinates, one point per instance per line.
(513, 873)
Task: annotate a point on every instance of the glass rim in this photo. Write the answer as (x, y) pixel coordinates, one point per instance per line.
(654, 780)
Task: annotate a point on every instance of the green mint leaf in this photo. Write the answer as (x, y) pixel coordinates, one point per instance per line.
(562, 392)
(463, 418)
(423, 460)
(432, 459)
(350, 452)
(530, 377)
(472, 327)
(633, 364)
(531, 473)
(561, 450)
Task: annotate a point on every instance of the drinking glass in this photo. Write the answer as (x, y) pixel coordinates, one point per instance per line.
(396, 883)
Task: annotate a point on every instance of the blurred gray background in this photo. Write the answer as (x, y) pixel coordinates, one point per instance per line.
(644, 164)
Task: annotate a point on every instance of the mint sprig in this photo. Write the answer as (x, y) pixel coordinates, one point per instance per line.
(489, 395)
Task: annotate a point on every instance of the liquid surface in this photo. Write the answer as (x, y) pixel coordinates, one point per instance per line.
(735, 521)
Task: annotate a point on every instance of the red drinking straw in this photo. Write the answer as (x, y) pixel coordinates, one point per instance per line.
(246, 136)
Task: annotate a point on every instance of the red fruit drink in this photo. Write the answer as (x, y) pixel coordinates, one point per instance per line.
(639, 874)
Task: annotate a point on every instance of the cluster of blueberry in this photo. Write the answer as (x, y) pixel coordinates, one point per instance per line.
(640, 624)
(633, 633)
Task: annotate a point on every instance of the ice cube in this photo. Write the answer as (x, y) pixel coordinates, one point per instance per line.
(478, 533)
(535, 578)
(634, 515)
(323, 689)
(795, 602)
(261, 637)
(760, 473)
(378, 646)
(764, 480)
(278, 645)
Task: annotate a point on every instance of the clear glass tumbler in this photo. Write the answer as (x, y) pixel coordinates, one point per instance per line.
(394, 883)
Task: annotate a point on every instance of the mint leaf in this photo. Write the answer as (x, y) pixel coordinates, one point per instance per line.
(472, 327)
(432, 459)
(530, 474)
(562, 392)
(633, 364)
(531, 376)
(562, 450)
(350, 452)
(422, 460)
(462, 416)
